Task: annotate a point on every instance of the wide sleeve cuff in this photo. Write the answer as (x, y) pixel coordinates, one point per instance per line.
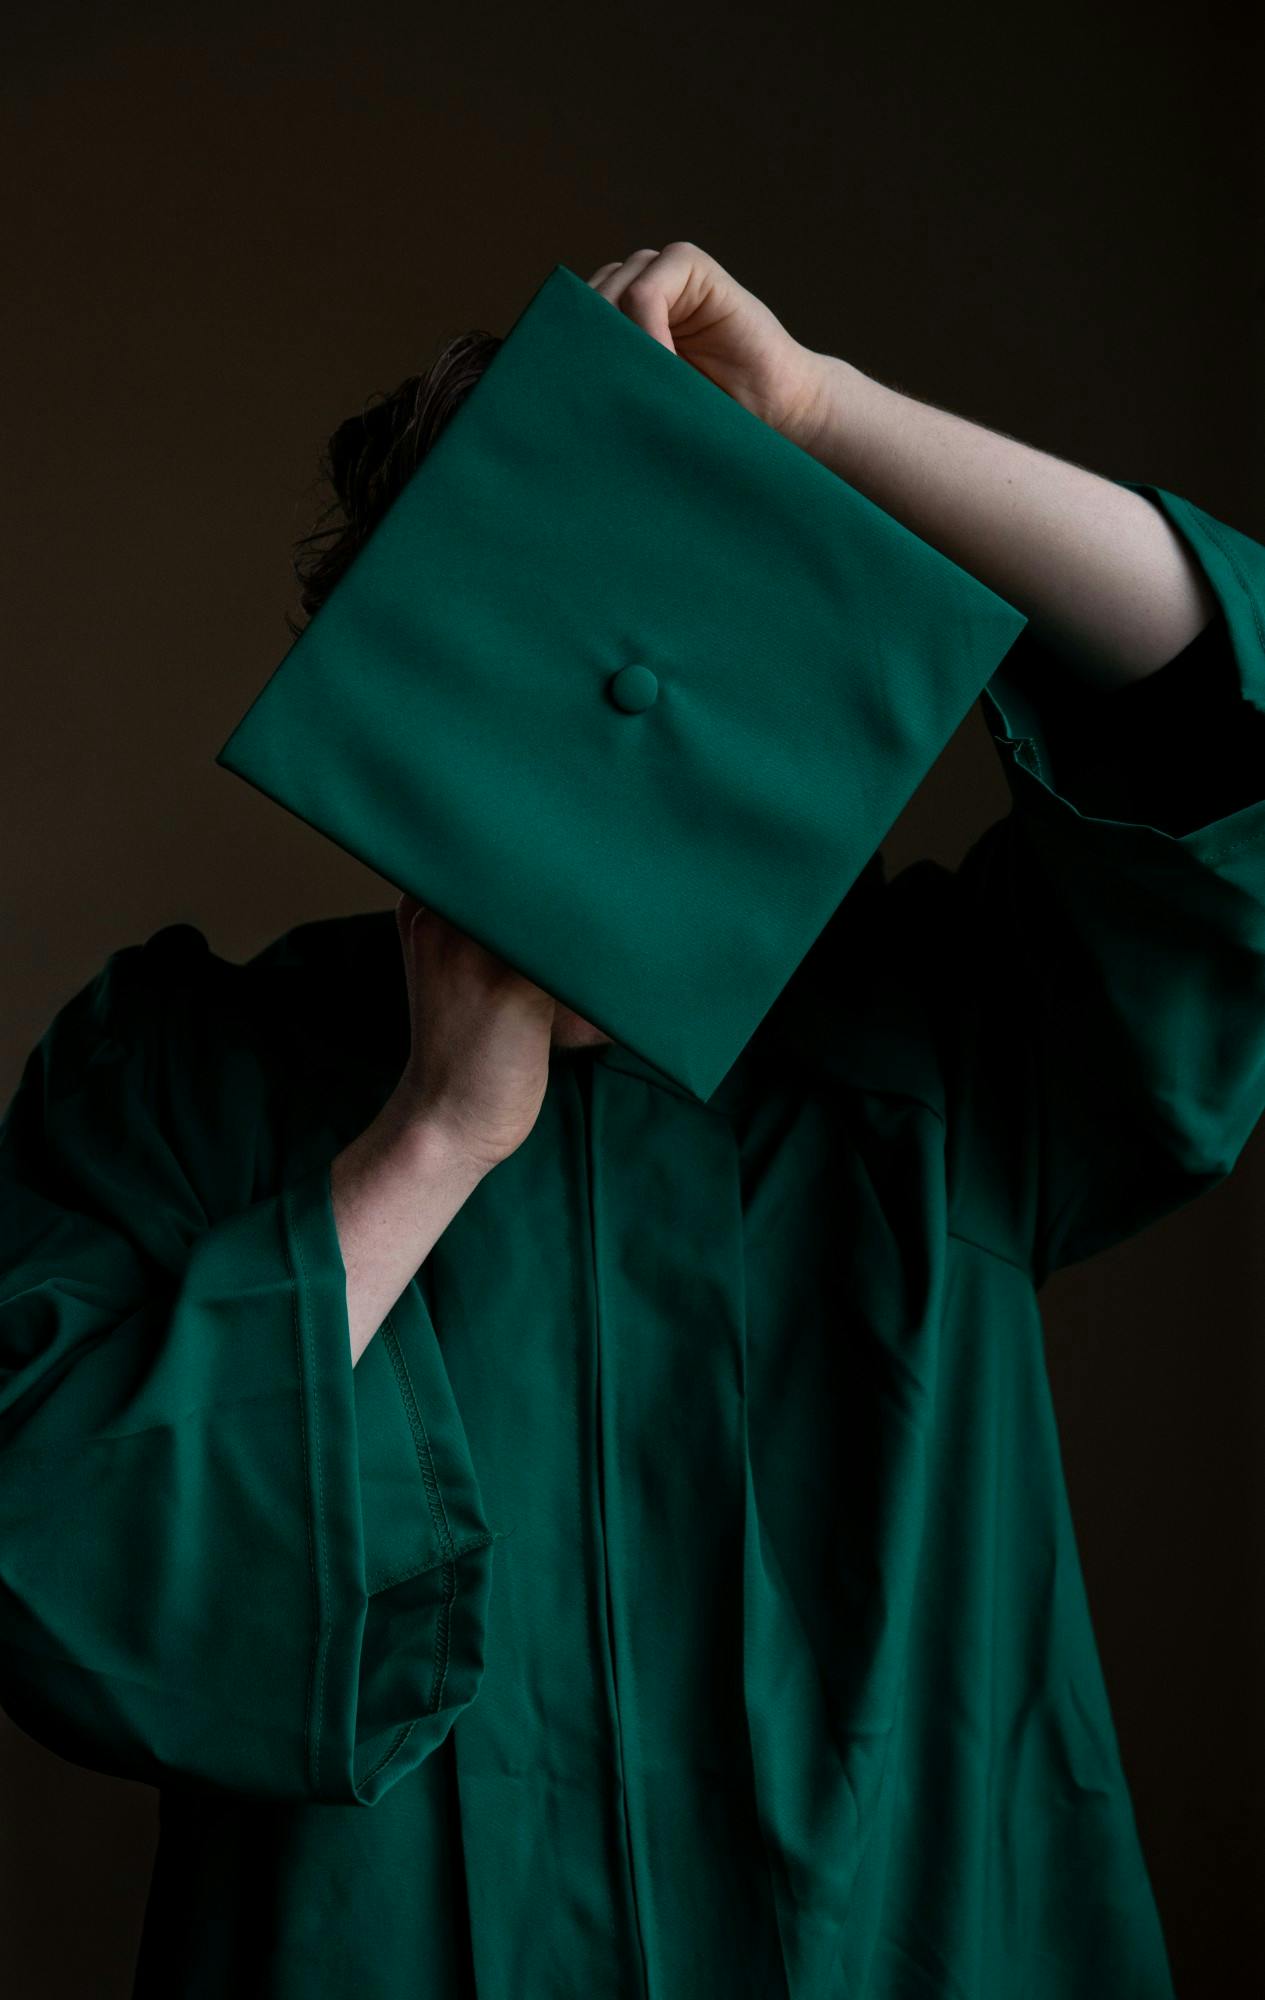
(401, 1550)
(1119, 916)
(228, 1559)
(1179, 754)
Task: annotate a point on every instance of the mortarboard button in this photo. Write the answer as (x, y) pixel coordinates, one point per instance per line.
(444, 714)
(632, 689)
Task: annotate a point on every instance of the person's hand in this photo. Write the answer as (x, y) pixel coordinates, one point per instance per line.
(480, 1037)
(691, 305)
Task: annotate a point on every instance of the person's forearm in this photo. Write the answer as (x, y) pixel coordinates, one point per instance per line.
(1101, 574)
(395, 1189)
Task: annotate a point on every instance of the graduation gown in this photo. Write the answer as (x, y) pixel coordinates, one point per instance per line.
(680, 1597)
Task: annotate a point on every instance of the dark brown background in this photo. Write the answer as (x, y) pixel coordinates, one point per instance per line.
(222, 235)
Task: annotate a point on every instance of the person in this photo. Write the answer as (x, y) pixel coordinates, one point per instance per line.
(546, 1534)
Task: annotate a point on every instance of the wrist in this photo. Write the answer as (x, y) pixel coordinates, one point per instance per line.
(834, 411)
(415, 1133)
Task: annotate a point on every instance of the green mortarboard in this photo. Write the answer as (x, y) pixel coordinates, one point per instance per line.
(625, 685)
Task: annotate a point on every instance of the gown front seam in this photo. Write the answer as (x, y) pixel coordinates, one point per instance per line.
(588, 1087)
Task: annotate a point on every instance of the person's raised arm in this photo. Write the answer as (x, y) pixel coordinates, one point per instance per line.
(469, 1095)
(1107, 583)
(1110, 589)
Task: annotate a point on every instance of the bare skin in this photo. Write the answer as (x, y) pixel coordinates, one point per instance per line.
(1097, 569)
(468, 1096)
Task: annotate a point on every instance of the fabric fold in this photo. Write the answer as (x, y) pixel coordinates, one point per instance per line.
(228, 1559)
(1114, 965)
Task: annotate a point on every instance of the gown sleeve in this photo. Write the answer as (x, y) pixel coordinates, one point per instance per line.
(228, 1558)
(1116, 914)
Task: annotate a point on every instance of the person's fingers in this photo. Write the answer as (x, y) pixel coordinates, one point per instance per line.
(621, 275)
(652, 306)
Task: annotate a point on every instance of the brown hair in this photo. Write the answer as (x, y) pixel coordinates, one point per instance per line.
(371, 457)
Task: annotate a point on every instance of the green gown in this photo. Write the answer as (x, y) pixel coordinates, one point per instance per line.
(680, 1598)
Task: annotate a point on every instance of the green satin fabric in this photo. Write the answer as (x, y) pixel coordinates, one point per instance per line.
(680, 1598)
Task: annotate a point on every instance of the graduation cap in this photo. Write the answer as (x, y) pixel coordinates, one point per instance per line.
(625, 685)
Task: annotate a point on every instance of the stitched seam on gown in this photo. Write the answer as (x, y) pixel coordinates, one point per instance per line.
(316, 1675)
(392, 1750)
(459, 1549)
(421, 1441)
(439, 1513)
(422, 1569)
